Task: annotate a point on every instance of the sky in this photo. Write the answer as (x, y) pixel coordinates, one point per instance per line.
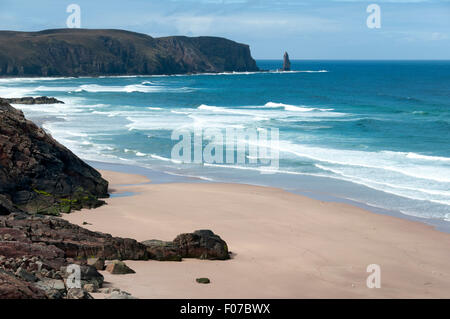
(308, 29)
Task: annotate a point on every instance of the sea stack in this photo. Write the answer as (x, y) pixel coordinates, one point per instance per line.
(286, 62)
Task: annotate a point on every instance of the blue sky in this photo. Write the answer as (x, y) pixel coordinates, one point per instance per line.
(309, 29)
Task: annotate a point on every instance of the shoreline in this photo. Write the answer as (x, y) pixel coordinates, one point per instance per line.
(163, 75)
(301, 247)
(163, 177)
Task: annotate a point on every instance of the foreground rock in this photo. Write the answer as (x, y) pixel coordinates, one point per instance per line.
(12, 287)
(117, 267)
(39, 175)
(55, 239)
(32, 100)
(35, 253)
(203, 280)
(202, 244)
(162, 250)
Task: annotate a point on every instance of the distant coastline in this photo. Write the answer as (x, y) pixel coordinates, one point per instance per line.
(92, 52)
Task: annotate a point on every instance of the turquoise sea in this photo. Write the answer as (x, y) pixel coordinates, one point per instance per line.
(373, 132)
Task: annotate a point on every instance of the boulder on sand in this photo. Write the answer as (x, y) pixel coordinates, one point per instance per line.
(117, 267)
(162, 250)
(202, 244)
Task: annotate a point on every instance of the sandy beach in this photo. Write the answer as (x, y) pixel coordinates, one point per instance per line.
(283, 245)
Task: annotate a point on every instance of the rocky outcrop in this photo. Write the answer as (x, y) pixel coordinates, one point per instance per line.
(286, 62)
(202, 244)
(12, 287)
(162, 250)
(35, 252)
(56, 238)
(39, 175)
(32, 100)
(83, 52)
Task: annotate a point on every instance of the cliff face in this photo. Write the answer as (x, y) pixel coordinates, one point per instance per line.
(39, 175)
(83, 52)
(286, 62)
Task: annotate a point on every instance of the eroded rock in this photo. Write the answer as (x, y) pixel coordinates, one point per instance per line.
(39, 175)
(117, 267)
(202, 244)
(162, 250)
(12, 287)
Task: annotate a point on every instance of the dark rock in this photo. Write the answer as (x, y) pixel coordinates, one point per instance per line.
(97, 263)
(162, 250)
(6, 206)
(286, 62)
(25, 275)
(53, 288)
(59, 238)
(39, 175)
(203, 244)
(12, 287)
(78, 293)
(203, 280)
(19, 249)
(13, 234)
(90, 275)
(83, 52)
(33, 100)
(117, 267)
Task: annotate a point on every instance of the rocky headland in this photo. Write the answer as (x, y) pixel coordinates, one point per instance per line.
(39, 175)
(89, 52)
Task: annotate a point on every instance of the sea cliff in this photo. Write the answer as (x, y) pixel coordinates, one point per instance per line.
(89, 52)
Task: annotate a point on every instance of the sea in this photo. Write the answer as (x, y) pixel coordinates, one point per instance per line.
(374, 133)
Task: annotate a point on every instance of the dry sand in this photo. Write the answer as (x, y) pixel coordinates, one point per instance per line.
(284, 245)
